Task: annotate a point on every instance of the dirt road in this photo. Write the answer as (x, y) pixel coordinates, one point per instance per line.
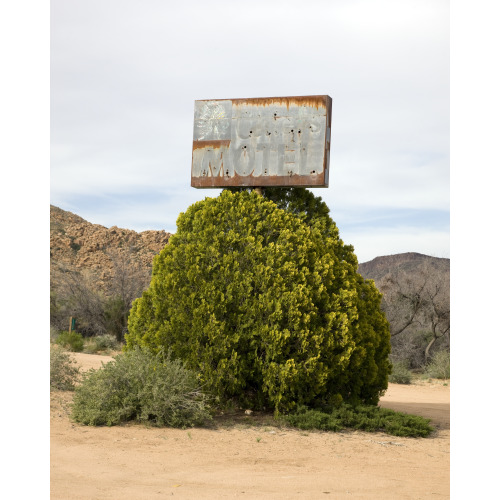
(133, 462)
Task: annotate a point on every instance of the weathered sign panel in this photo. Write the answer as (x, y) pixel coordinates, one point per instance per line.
(275, 141)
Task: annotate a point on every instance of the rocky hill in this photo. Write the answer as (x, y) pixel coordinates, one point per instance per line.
(82, 246)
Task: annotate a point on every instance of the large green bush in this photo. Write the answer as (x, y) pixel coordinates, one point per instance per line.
(139, 385)
(266, 305)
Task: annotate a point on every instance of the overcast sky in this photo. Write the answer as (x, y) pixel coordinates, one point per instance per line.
(125, 75)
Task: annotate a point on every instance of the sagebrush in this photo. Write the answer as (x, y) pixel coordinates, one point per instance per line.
(101, 344)
(139, 385)
(400, 373)
(63, 370)
(439, 367)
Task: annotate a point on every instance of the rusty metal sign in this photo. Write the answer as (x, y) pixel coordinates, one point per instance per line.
(275, 141)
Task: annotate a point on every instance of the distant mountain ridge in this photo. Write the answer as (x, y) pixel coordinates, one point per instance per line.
(411, 262)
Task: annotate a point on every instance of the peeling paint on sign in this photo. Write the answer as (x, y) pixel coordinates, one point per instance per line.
(276, 141)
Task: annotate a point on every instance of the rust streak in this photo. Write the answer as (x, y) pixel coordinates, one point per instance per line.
(261, 181)
(316, 101)
(211, 144)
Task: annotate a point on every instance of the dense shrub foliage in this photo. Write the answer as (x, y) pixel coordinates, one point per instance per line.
(266, 305)
(63, 372)
(139, 385)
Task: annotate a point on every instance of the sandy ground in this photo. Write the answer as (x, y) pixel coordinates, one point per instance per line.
(249, 460)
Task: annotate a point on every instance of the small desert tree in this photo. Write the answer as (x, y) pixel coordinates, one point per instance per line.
(75, 295)
(99, 309)
(418, 308)
(266, 308)
(127, 282)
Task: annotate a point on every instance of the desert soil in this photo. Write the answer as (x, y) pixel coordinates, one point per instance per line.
(251, 460)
